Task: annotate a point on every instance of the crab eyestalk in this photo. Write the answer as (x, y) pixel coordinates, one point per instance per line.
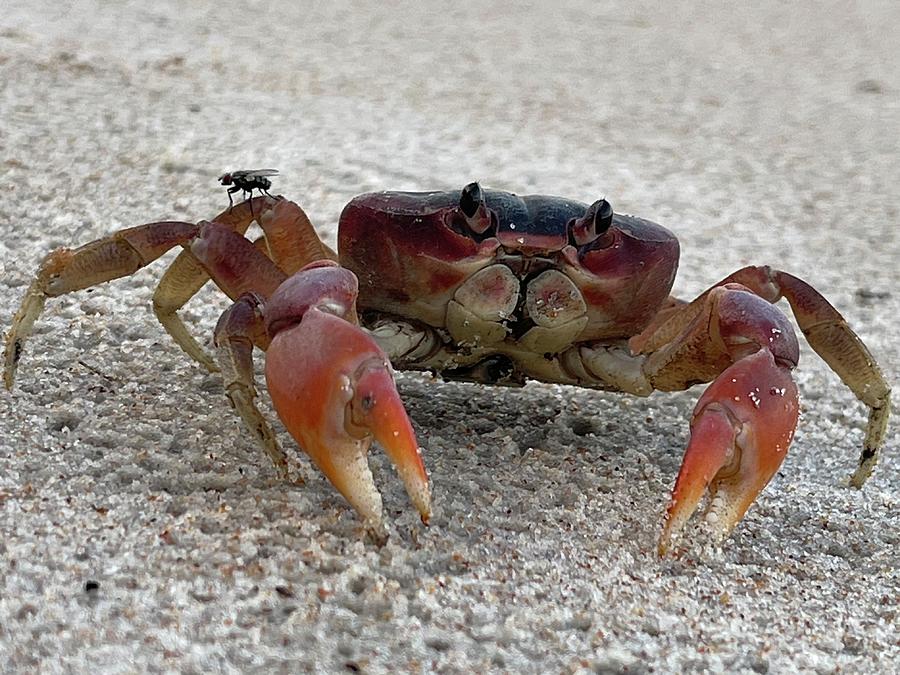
(474, 209)
(593, 224)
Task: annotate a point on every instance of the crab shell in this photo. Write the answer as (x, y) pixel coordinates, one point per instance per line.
(416, 257)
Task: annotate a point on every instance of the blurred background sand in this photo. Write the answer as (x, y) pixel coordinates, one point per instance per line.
(761, 134)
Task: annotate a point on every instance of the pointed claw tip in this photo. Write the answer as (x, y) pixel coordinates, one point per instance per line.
(662, 548)
(377, 533)
(670, 529)
(867, 463)
(666, 539)
(377, 408)
(667, 547)
(420, 495)
(858, 478)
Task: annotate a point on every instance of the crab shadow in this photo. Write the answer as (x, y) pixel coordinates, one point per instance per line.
(516, 460)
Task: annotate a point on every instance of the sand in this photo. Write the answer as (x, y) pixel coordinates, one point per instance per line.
(142, 530)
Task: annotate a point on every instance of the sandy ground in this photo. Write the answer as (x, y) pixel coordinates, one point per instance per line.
(143, 531)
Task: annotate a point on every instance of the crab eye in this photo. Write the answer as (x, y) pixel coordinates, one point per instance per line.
(470, 199)
(473, 207)
(594, 223)
(603, 216)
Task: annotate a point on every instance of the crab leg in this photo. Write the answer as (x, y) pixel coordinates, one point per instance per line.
(290, 237)
(824, 328)
(240, 327)
(235, 263)
(333, 388)
(66, 270)
(243, 271)
(183, 279)
(290, 241)
(829, 335)
(119, 255)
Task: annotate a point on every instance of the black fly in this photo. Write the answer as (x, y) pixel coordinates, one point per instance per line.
(247, 180)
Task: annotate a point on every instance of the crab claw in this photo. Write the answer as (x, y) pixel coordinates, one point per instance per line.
(332, 387)
(740, 432)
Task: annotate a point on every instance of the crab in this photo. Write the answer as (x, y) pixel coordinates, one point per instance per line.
(481, 286)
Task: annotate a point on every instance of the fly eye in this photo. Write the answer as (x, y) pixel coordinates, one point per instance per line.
(474, 209)
(594, 223)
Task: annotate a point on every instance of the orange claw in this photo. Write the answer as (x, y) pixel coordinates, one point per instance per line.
(332, 387)
(740, 432)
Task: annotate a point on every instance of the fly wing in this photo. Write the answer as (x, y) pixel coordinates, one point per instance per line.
(246, 174)
(255, 173)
